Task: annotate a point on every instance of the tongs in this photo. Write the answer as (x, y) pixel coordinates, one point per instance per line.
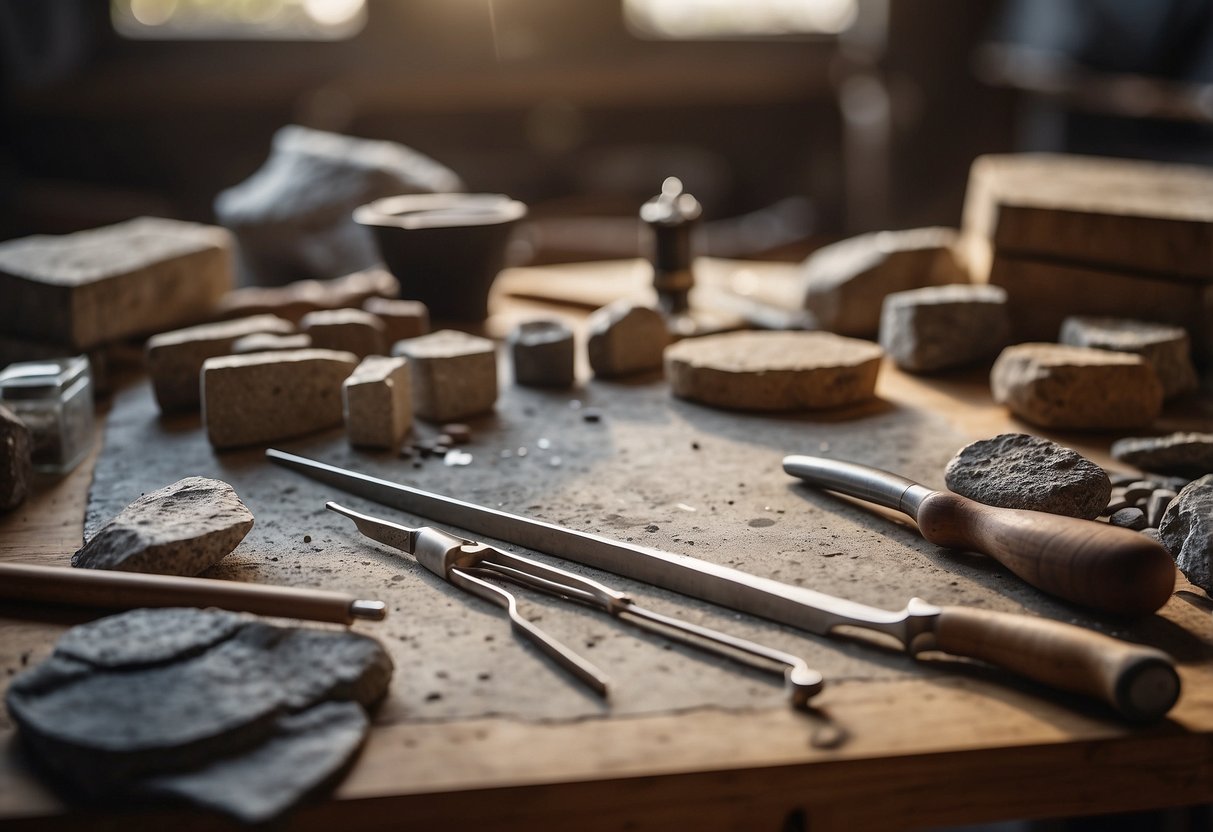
(469, 565)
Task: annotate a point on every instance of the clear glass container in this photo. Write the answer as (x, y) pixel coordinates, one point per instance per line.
(54, 398)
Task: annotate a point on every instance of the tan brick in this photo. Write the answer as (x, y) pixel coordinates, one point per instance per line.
(352, 330)
(454, 374)
(378, 402)
(401, 318)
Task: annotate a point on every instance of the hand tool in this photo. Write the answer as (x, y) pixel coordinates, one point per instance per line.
(1139, 682)
(467, 564)
(127, 590)
(1094, 564)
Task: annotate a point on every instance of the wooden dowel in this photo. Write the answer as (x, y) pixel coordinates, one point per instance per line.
(127, 590)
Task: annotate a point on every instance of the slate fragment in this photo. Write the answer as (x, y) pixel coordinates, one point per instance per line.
(209, 706)
(1188, 455)
(1017, 470)
(1187, 531)
(181, 529)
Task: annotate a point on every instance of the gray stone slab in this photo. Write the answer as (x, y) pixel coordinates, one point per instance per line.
(1166, 347)
(940, 327)
(1189, 455)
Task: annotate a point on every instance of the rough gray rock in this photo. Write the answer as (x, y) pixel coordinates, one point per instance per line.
(181, 529)
(940, 327)
(16, 459)
(1166, 347)
(292, 217)
(1188, 455)
(542, 353)
(1187, 531)
(625, 338)
(1016, 470)
(205, 705)
(843, 284)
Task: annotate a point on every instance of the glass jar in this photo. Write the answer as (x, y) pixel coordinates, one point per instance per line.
(54, 398)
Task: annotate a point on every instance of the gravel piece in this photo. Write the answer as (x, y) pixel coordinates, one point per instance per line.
(1189, 455)
(352, 330)
(1129, 518)
(181, 529)
(940, 327)
(1016, 470)
(454, 374)
(542, 353)
(1166, 347)
(16, 459)
(625, 338)
(1187, 531)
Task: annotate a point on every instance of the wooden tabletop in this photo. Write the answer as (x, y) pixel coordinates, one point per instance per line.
(875, 754)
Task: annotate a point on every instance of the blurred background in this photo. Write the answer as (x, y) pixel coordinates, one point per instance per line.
(793, 121)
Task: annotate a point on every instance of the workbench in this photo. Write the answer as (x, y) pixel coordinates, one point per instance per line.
(891, 742)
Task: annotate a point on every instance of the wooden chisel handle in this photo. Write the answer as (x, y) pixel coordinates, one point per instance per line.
(1139, 682)
(1094, 564)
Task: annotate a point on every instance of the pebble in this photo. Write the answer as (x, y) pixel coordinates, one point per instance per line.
(941, 327)
(1017, 470)
(1059, 386)
(1129, 518)
(377, 401)
(351, 330)
(1189, 455)
(542, 353)
(267, 342)
(300, 297)
(1166, 347)
(219, 709)
(774, 370)
(845, 283)
(401, 318)
(592, 415)
(626, 338)
(454, 374)
(16, 460)
(181, 529)
(1187, 531)
(457, 433)
(1157, 504)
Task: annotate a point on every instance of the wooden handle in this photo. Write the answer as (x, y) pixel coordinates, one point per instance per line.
(1139, 682)
(1094, 564)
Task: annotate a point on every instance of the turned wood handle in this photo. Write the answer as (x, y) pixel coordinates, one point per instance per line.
(1094, 564)
(1139, 682)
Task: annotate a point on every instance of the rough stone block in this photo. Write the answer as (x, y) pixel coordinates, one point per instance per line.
(626, 338)
(16, 459)
(542, 353)
(378, 402)
(181, 529)
(1165, 347)
(267, 396)
(294, 300)
(1187, 531)
(844, 284)
(454, 374)
(940, 327)
(1188, 455)
(774, 370)
(268, 342)
(174, 359)
(1059, 386)
(352, 330)
(401, 318)
(110, 283)
(1016, 470)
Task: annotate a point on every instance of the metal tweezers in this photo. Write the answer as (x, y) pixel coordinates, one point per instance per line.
(468, 564)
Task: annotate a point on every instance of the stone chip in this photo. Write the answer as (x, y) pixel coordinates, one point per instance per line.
(1187, 531)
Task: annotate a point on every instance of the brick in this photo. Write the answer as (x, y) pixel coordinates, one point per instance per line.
(454, 374)
(626, 338)
(378, 402)
(352, 330)
(401, 318)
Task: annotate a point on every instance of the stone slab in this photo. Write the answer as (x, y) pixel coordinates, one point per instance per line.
(941, 327)
(352, 330)
(1167, 348)
(1188, 455)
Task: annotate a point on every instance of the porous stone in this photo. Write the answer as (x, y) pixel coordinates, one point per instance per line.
(774, 370)
(267, 396)
(378, 402)
(940, 327)
(1017, 470)
(352, 330)
(542, 353)
(1166, 347)
(293, 217)
(95, 287)
(1060, 386)
(1188, 455)
(401, 318)
(454, 374)
(181, 529)
(16, 459)
(268, 342)
(844, 284)
(296, 299)
(174, 359)
(1187, 531)
(216, 708)
(625, 338)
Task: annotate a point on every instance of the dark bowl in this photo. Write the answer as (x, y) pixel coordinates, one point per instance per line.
(445, 249)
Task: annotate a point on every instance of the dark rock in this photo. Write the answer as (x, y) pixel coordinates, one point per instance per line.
(16, 459)
(1015, 470)
(1129, 518)
(1185, 454)
(1187, 531)
(206, 705)
(181, 529)
(542, 353)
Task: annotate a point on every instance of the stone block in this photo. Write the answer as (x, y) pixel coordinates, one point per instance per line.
(941, 327)
(269, 342)
(401, 318)
(352, 330)
(454, 374)
(1165, 347)
(174, 359)
(378, 402)
(1059, 386)
(294, 300)
(542, 354)
(268, 396)
(626, 338)
(107, 284)
(16, 460)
